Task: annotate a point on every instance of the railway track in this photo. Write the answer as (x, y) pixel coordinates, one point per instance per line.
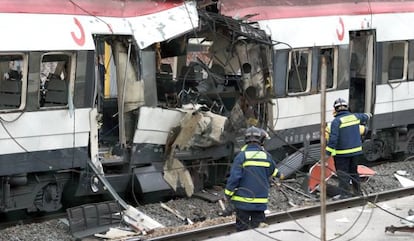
(227, 228)
(195, 207)
(19, 218)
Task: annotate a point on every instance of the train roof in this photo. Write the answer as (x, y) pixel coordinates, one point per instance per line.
(276, 9)
(30, 25)
(307, 23)
(107, 8)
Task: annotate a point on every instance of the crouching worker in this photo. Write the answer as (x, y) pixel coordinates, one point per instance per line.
(248, 185)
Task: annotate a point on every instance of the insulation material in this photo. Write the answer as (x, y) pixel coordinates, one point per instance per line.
(176, 174)
(209, 130)
(196, 129)
(200, 129)
(189, 125)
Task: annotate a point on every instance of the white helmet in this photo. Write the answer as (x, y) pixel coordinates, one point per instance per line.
(340, 104)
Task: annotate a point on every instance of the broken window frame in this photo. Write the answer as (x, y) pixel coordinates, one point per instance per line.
(68, 77)
(23, 81)
(388, 54)
(293, 69)
(333, 69)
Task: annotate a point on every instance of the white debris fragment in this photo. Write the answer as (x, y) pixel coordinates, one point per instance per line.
(115, 233)
(139, 221)
(405, 182)
(402, 172)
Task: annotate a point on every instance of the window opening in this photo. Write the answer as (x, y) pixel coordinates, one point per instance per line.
(394, 61)
(299, 71)
(11, 73)
(54, 79)
(331, 63)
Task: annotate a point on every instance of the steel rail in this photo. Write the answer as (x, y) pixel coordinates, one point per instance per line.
(228, 228)
(12, 219)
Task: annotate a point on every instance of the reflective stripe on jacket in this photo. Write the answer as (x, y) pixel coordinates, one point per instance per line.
(344, 137)
(248, 184)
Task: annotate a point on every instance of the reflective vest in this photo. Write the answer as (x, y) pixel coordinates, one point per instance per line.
(248, 183)
(345, 134)
(362, 130)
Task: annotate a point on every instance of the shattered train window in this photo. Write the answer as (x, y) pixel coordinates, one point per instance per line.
(330, 55)
(299, 71)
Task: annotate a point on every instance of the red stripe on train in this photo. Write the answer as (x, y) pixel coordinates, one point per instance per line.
(280, 12)
(109, 8)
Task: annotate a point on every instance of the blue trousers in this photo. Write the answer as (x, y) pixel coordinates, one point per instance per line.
(248, 219)
(347, 170)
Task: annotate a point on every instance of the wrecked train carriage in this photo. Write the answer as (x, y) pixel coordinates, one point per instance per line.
(151, 107)
(199, 91)
(48, 95)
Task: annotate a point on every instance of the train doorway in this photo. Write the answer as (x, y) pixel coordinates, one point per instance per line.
(361, 86)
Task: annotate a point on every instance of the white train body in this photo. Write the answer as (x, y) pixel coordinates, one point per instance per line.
(369, 48)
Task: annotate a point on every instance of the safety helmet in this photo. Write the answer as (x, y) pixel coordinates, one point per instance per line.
(340, 104)
(253, 134)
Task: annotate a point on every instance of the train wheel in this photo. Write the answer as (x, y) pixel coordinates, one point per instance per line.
(410, 142)
(373, 149)
(49, 198)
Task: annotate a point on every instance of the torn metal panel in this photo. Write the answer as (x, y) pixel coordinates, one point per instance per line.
(177, 175)
(130, 89)
(155, 124)
(197, 128)
(116, 233)
(244, 57)
(93, 121)
(164, 25)
(138, 219)
(188, 126)
(200, 129)
(209, 131)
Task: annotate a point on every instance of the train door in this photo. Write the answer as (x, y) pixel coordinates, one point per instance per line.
(362, 84)
(120, 88)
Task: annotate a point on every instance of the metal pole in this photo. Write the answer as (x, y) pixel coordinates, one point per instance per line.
(323, 144)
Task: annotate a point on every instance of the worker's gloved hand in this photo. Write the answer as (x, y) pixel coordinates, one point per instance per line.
(229, 208)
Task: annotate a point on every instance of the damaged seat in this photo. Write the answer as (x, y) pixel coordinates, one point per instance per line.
(10, 94)
(56, 92)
